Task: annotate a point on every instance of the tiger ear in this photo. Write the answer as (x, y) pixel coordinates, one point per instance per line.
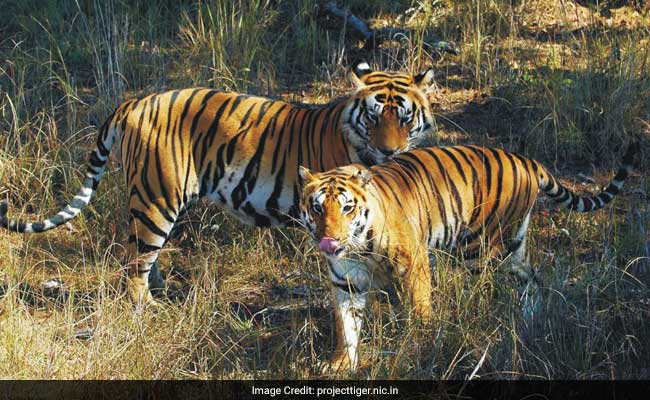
(424, 80)
(359, 70)
(363, 177)
(305, 175)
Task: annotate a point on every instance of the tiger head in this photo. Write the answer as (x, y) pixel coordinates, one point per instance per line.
(388, 114)
(334, 208)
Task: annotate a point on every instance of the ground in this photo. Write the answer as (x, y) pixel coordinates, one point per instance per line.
(563, 82)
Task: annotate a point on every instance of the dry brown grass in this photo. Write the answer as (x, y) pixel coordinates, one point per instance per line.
(554, 80)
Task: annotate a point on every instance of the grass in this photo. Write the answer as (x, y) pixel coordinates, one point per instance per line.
(554, 80)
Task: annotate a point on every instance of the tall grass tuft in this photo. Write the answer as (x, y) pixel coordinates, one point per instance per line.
(232, 37)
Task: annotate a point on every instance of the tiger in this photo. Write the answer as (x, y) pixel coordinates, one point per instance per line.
(240, 151)
(374, 222)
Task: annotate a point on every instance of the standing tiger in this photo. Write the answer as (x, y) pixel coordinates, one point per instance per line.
(240, 151)
(458, 198)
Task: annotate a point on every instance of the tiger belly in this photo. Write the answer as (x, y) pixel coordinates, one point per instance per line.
(443, 238)
(252, 207)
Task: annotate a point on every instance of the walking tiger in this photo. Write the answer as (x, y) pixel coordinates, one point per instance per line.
(460, 198)
(240, 151)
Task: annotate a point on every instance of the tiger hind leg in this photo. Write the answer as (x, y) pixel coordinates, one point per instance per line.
(148, 233)
(530, 296)
(156, 281)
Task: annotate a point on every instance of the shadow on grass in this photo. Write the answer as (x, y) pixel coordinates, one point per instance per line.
(557, 115)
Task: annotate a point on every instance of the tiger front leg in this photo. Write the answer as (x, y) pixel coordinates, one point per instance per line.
(348, 314)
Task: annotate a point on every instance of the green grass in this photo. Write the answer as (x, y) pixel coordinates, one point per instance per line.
(550, 79)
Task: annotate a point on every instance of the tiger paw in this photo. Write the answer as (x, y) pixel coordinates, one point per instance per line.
(140, 295)
(423, 313)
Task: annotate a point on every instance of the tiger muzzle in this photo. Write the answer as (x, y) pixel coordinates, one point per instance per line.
(389, 137)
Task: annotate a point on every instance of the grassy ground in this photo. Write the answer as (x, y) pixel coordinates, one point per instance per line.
(555, 80)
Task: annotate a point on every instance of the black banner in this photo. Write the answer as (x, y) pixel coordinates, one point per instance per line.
(320, 389)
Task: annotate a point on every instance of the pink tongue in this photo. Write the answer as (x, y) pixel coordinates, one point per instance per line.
(329, 245)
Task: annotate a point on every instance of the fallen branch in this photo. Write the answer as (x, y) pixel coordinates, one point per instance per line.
(374, 37)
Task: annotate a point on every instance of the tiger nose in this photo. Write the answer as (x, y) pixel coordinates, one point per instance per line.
(329, 245)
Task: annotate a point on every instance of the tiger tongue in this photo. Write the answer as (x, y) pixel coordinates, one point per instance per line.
(329, 245)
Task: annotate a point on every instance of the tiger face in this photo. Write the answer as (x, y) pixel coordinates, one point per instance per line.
(334, 209)
(388, 114)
